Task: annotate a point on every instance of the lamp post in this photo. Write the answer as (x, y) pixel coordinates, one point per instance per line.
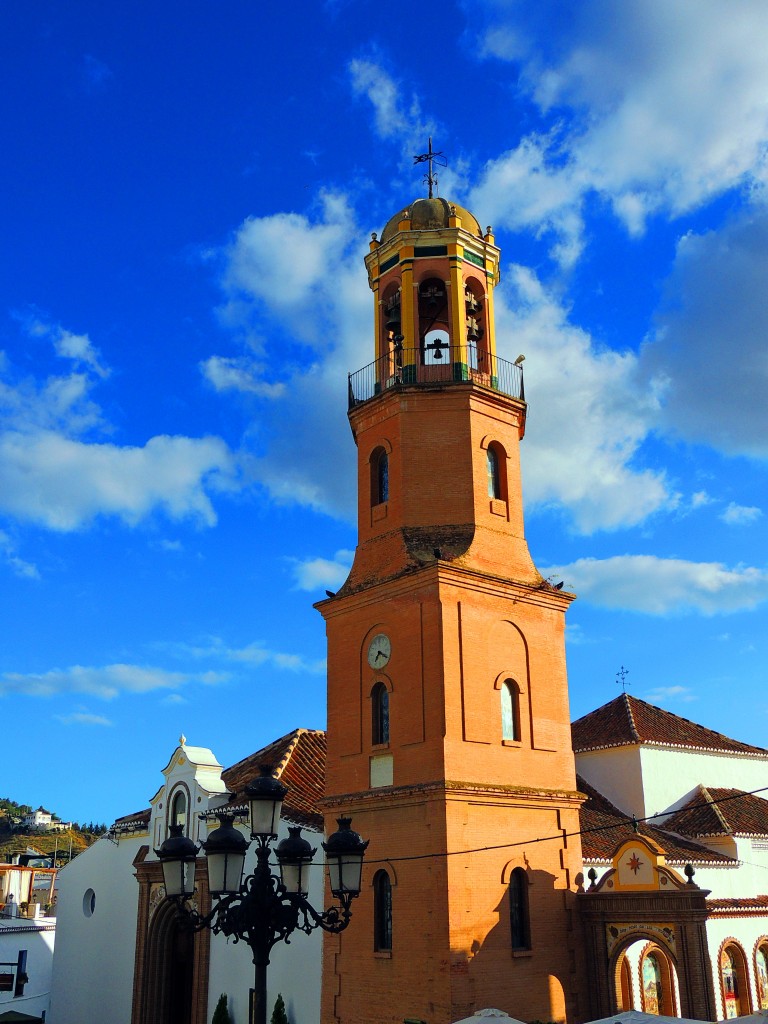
(264, 908)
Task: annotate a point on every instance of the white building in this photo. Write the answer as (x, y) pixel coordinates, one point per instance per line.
(26, 959)
(39, 820)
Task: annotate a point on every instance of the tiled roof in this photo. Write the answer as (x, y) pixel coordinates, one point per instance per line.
(629, 720)
(743, 903)
(718, 812)
(138, 818)
(298, 760)
(604, 827)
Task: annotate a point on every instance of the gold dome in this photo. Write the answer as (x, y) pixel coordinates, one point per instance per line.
(428, 214)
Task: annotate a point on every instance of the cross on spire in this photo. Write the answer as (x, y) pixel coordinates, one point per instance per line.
(430, 158)
(621, 678)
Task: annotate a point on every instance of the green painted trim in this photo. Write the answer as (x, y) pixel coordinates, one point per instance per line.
(409, 374)
(477, 260)
(460, 371)
(388, 264)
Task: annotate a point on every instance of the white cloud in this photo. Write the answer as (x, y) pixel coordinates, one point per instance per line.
(254, 654)
(587, 417)
(317, 573)
(52, 471)
(105, 682)
(660, 107)
(174, 698)
(296, 289)
(395, 117)
(664, 586)
(77, 347)
(671, 693)
(63, 484)
(83, 718)
(710, 339)
(23, 569)
(238, 374)
(741, 515)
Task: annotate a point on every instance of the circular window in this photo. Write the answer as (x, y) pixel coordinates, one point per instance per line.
(89, 902)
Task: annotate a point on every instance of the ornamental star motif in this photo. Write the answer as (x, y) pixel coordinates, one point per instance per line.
(634, 863)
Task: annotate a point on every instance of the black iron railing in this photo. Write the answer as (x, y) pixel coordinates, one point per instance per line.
(442, 365)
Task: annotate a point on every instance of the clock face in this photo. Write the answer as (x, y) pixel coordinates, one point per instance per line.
(379, 651)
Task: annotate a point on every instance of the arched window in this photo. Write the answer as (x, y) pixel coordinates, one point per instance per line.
(379, 477)
(519, 919)
(496, 471)
(434, 337)
(761, 975)
(733, 978)
(510, 710)
(657, 984)
(379, 714)
(382, 912)
(179, 809)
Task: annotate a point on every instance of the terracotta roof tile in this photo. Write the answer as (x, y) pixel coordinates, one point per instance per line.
(138, 817)
(629, 720)
(717, 812)
(742, 903)
(605, 827)
(298, 760)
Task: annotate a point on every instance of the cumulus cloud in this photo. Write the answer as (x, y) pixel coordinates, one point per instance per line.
(63, 484)
(317, 573)
(58, 471)
(741, 515)
(663, 586)
(665, 108)
(296, 292)
(588, 417)
(710, 338)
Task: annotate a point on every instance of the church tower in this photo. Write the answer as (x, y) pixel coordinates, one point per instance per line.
(448, 723)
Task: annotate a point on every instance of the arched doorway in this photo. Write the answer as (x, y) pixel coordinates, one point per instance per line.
(645, 979)
(656, 982)
(733, 981)
(168, 970)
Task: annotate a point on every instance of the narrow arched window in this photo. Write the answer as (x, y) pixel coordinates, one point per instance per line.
(379, 477)
(379, 714)
(518, 910)
(510, 711)
(382, 912)
(179, 809)
(494, 473)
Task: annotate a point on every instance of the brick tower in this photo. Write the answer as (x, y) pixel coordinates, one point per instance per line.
(448, 723)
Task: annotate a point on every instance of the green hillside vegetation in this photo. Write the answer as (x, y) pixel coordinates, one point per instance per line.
(15, 838)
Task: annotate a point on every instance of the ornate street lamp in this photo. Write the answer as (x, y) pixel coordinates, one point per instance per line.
(263, 909)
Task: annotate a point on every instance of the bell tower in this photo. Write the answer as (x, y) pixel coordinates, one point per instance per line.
(448, 720)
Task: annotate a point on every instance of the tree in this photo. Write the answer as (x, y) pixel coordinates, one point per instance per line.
(221, 1013)
(279, 1016)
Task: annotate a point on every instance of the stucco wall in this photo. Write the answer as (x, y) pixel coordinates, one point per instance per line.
(93, 964)
(616, 773)
(670, 776)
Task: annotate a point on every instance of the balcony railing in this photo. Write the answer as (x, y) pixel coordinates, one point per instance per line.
(417, 367)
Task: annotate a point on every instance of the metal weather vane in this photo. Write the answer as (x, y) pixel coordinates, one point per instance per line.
(431, 159)
(621, 678)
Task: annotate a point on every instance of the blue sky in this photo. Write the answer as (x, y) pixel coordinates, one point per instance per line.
(186, 196)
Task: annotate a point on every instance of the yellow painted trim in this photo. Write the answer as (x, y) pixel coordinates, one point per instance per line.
(407, 303)
(376, 319)
(490, 321)
(458, 313)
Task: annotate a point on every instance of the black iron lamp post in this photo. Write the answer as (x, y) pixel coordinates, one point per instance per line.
(264, 908)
